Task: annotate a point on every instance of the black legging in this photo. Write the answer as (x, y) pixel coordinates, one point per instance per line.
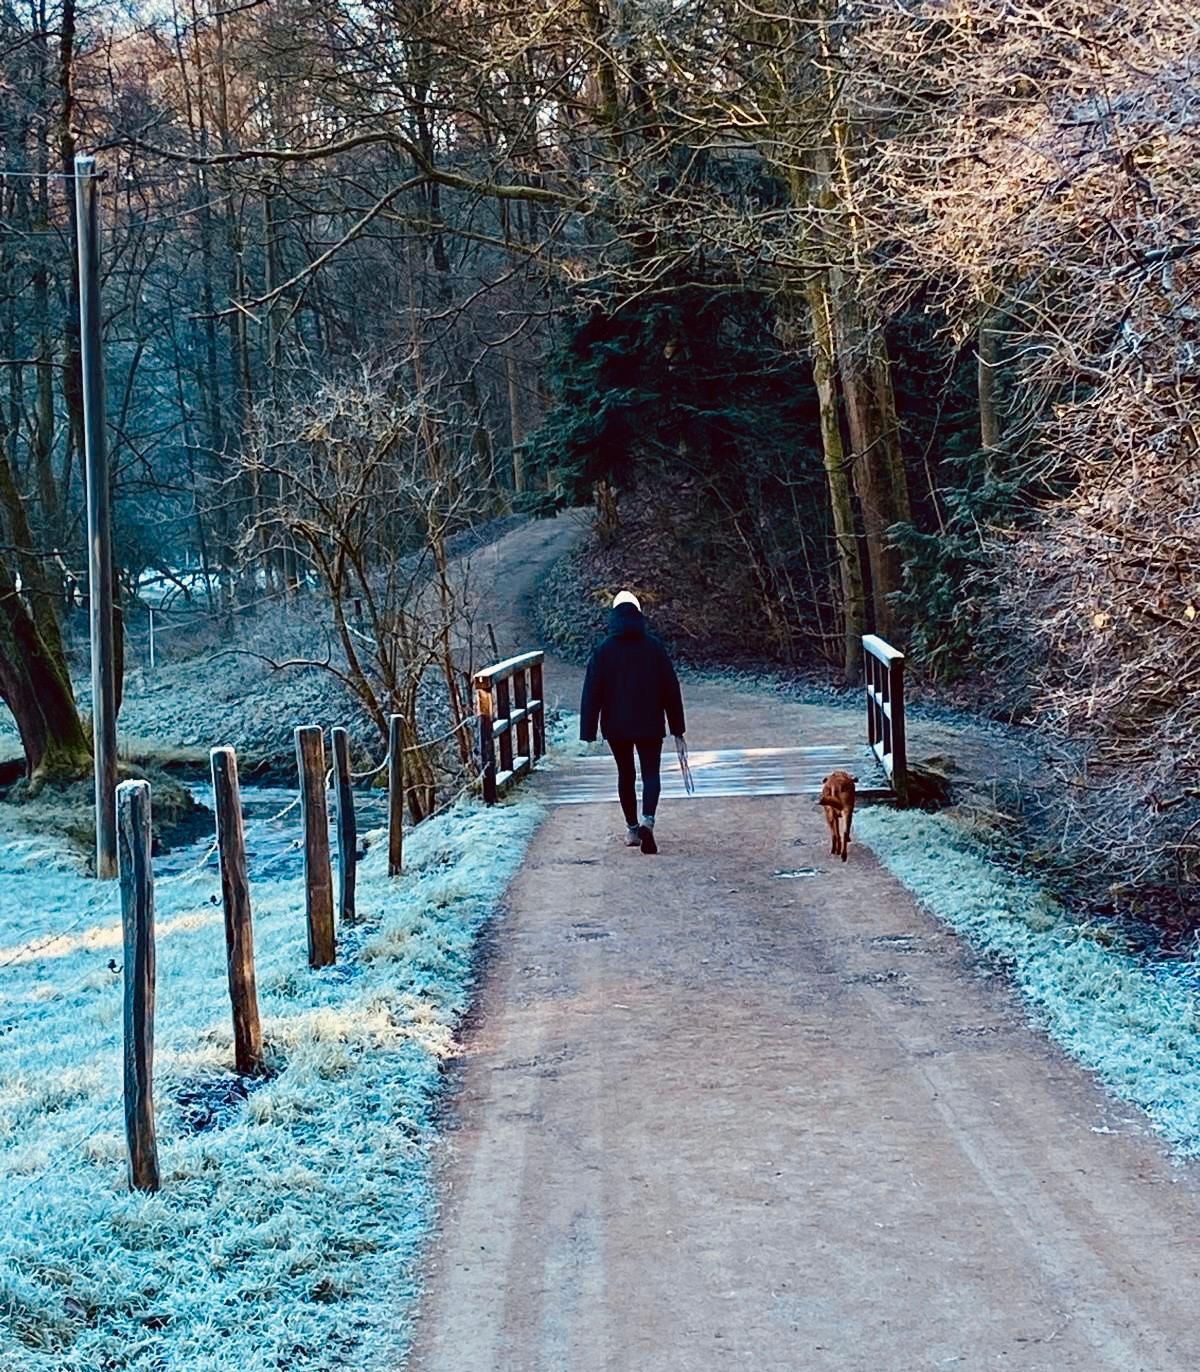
(649, 751)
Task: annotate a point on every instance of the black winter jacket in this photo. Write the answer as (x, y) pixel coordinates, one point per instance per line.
(630, 684)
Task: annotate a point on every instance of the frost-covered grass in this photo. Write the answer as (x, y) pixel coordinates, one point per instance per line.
(286, 1229)
(562, 735)
(1139, 1031)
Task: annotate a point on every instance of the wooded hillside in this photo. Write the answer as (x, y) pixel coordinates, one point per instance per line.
(893, 308)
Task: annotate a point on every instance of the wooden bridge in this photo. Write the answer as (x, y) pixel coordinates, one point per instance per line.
(512, 740)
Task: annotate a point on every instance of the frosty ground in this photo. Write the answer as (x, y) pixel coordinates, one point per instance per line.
(214, 682)
(288, 1220)
(291, 1215)
(1132, 1020)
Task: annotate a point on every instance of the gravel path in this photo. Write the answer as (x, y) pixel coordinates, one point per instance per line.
(739, 1105)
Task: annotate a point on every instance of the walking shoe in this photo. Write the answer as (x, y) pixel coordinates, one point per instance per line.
(633, 837)
(646, 834)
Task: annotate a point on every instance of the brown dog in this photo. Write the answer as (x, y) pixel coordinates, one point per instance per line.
(837, 800)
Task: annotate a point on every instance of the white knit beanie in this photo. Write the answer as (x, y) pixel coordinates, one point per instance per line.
(627, 598)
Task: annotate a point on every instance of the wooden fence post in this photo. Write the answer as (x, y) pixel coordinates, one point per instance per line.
(869, 677)
(395, 796)
(239, 927)
(318, 874)
(137, 926)
(347, 829)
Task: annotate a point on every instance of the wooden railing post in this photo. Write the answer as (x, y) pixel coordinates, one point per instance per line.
(487, 741)
(884, 674)
(239, 928)
(873, 715)
(537, 690)
(899, 739)
(318, 873)
(347, 829)
(885, 719)
(395, 795)
(137, 927)
(503, 712)
(520, 703)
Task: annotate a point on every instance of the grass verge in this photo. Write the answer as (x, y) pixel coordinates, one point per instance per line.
(292, 1209)
(1134, 1024)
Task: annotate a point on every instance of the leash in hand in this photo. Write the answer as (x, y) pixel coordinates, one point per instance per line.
(689, 784)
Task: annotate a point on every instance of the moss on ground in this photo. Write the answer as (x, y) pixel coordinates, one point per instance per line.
(68, 810)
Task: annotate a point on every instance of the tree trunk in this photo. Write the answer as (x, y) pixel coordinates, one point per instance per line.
(605, 495)
(875, 461)
(880, 479)
(242, 390)
(73, 368)
(598, 18)
(889, 434)
(208, 374)
(43, 590)
(43, 443)
(42, 437)
(988, 352)
(281, 567)
(853, 593)
(37, 689)
(516, 429)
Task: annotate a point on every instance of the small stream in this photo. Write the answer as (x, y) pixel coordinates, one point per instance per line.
(273, 831)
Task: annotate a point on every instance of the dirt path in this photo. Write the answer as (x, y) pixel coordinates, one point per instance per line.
(714, 1115)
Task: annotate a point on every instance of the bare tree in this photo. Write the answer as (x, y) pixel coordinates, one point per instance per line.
(370, 478)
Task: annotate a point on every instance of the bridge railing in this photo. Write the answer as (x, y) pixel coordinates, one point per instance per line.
(512, 720)
(884, 672)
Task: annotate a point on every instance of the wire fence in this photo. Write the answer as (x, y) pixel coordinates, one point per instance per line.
(26, 945)
(107, 905)
(71, 1149)
(135, 923)
(28, 948)
(198, 868)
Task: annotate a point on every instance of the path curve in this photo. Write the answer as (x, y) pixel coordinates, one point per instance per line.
(738, 1105)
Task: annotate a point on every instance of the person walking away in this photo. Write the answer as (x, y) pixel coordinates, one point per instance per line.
(629, 689)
